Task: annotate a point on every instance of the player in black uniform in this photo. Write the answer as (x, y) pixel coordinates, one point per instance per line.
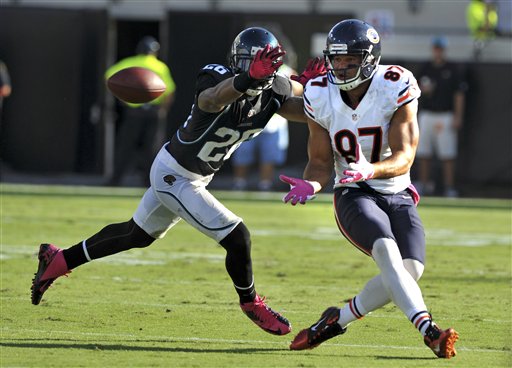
(232, 104)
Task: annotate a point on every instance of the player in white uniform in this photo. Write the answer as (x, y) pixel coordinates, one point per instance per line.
(362, 120)
(367, 123)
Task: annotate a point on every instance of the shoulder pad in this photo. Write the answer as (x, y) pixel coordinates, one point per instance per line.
(314, 97)
(400, 84)
(316, 86)
(211, 75)
(218, 71)
(282, 86)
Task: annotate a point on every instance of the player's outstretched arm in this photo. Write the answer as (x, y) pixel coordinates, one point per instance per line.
(214, 99)
(265, 63)
(293, 110)
(314, 68)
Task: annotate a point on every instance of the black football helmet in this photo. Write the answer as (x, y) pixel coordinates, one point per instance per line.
(244, 47)
(354, 37)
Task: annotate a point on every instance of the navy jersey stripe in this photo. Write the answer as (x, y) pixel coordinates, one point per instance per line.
(306, 99)
(407, 101)
(403, 91)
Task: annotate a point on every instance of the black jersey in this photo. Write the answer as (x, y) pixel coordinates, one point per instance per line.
(446, 80)
(206, 140)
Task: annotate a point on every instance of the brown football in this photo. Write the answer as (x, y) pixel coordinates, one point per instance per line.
(136, 85)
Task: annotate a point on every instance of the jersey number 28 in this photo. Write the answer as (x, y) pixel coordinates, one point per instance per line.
(232, 139)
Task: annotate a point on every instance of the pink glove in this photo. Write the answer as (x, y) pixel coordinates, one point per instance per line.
(266, 62)
(300, 190)
(361, 170)
(314, 68)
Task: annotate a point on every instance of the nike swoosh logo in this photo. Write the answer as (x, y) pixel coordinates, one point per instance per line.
(313, 328)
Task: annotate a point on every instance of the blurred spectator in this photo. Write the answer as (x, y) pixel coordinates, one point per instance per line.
(268, 148)
(5, 85)
(482, 19)
(136, 141)
(441, 116)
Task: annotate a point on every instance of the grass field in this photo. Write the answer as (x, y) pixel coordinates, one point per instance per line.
(173, 305)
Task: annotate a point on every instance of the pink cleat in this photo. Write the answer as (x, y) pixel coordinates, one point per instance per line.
(265, 317)
(51, 266)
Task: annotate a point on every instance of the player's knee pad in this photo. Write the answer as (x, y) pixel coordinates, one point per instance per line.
(237, 240)
(414, 267)
(138, 237)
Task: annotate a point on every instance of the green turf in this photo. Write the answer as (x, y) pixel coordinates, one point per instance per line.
(173, 305)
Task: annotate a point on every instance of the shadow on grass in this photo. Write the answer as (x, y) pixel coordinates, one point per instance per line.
(382, 357)
(120, 347)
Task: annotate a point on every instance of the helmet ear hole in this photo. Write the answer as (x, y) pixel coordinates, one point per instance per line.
(367, 71)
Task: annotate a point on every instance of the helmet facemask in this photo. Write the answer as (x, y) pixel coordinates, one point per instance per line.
(240, 63)
(243, 49)
(365, 70)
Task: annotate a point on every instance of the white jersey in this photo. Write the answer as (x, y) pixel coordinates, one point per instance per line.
(391, 87)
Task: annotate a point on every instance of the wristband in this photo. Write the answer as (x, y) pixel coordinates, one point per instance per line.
(242, 82)
(316, 186)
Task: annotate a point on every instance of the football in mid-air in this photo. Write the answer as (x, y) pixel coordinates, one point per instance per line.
(136, 85)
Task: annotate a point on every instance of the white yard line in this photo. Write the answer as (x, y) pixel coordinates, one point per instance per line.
(197, 306)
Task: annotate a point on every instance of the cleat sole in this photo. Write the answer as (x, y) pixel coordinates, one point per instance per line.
(449, 347)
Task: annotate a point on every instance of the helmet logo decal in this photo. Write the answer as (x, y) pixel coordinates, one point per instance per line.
(372, 35)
